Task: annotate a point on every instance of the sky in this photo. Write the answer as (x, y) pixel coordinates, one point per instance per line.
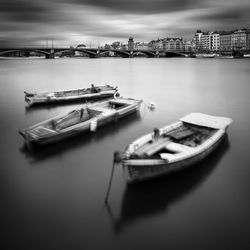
(96, 22)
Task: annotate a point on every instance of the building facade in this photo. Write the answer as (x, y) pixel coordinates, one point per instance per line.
(226, 41)
(214, 41)
(197, 40)
(189, 45)
(205, 42)
(241, 39)
(142, 46)
(173, 44)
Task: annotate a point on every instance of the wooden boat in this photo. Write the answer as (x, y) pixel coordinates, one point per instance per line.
(174, 147)
(88, 118)
(71, 95)
(157, 196)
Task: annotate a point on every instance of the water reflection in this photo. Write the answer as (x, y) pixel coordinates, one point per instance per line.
(149, 198)
(70, 144)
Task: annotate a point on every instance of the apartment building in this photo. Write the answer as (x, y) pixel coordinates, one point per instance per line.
(214, 41)
(241, 39)
(173, 44)
(226, 41)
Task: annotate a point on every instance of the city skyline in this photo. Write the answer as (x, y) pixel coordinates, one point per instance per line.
(25, 23)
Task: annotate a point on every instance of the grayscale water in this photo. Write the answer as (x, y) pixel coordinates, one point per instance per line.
(53, 198)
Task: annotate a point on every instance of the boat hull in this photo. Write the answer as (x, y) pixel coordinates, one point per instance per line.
(69, 96)
(133, 173)
(104, 116)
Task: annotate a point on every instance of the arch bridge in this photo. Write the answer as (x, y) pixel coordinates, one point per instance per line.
(50, 53)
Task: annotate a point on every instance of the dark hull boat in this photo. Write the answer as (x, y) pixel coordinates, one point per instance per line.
(174, 147)
(86, 119)
(71, 95)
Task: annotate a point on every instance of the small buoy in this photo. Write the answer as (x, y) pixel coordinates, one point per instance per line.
(151, 105)
(116, 94)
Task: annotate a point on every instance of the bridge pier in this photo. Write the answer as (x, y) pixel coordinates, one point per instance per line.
(50, 56)
(94, 55)
(157, 54)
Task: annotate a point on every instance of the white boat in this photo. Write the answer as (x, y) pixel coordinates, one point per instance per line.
(205, 55)
(93, 92)
(88, 118)
(174, 147)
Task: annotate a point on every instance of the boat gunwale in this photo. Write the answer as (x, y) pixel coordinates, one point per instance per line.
(71, 90)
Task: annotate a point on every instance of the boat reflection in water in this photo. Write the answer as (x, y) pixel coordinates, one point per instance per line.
(151, 197)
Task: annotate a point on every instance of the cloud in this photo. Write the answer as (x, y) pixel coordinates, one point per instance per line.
(141, 6)
(23, 10)
(231, 17)
(69, 22)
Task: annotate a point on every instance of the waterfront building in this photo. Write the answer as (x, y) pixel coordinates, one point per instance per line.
(241, 39)
(131, 44)
(173, 44)
(156, 44)
(214, 41)
(189, 45)
(225, 41)
(197, 39)
(151, 45)
(205, 42)
(124, 47)
(142, 46)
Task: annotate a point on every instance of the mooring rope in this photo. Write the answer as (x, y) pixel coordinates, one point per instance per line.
(117, 158)
(110, 183)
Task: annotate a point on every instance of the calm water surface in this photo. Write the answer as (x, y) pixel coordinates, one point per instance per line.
(53, 198)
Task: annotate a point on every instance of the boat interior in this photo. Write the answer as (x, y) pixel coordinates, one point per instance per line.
(71, 92)
(183, 138)
(72, 118)
(76, 116)
(110, 105)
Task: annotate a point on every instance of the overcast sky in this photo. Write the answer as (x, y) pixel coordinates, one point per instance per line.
(71, 22)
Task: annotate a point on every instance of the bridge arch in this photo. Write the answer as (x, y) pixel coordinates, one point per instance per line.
(147, 53)
(122, 53)
(90, 53)
(24, 50)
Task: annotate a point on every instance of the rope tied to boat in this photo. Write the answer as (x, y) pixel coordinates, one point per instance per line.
(118, 157)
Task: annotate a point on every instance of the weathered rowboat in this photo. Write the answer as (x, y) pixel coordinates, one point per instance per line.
(153, 198)
(88, 118)
(174, 147)
(93, 92)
